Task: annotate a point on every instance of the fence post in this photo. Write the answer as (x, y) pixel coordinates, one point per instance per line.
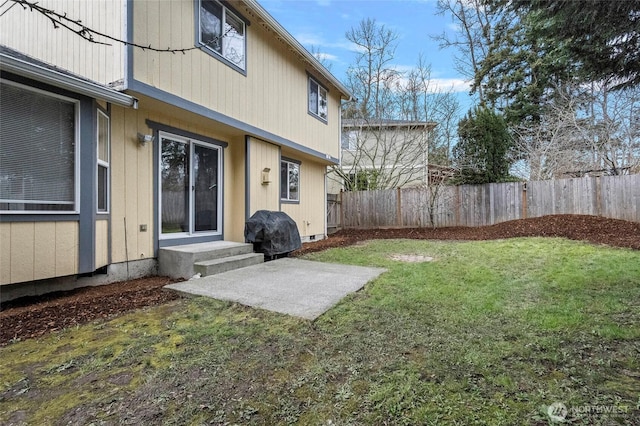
(524, 200)
(598, 196)
(458, 202)
(342, 224)
(399, 208)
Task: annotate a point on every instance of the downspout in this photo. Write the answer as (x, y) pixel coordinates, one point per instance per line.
(326, 204)
(127, 31)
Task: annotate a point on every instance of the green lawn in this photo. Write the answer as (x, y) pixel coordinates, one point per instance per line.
(487, 333)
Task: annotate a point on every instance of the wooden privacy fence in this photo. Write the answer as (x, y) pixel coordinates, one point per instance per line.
(616, 197)
(333, 212)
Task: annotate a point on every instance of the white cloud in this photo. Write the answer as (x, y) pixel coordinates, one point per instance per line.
(438, 83)
(326, 57)
(456, 85)
(309, 39)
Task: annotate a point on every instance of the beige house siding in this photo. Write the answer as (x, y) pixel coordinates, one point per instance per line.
(272, 96)
(132, 187)
(33, 34)
(400, 150)
(37, 250)
(102, 243)
(194, 93)
(132, 176)
(263, 196)
(5, 253)
(309, 214)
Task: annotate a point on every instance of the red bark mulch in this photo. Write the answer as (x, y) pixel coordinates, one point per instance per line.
(35, 316)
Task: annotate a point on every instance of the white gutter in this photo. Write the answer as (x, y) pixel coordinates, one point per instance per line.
(65, 81)
(288, 38)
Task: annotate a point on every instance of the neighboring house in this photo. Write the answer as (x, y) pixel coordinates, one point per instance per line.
(379, 154)
(110, 152)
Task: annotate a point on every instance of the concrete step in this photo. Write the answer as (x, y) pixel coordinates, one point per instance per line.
(178, 261)
(217, 266)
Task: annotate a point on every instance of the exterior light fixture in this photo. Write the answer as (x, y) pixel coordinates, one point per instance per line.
(143, 139)
(265, 176)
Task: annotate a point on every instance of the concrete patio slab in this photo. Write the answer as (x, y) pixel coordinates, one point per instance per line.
(297, 287)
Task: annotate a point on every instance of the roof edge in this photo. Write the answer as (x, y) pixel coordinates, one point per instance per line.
(64, 80)
(349, 123)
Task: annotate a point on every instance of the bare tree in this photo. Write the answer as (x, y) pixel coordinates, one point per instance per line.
(372, 78)
(593, 131)
(388, 134)
(321, 57)
(613, 131)
(421, 100)
(438, 196)
(472, 38)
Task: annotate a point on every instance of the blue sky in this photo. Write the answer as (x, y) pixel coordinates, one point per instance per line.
(322, 24)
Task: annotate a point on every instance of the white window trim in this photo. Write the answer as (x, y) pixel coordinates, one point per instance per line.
(320, 87)
(76, 174)
(106, 164)
(213, 52)
(191, 233)
(290, 162)
(352, 137)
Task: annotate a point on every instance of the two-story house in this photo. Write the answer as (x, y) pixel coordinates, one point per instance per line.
(382, 154)
(132, 125)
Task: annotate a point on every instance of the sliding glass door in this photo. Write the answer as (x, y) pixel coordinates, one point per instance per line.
(190, 194)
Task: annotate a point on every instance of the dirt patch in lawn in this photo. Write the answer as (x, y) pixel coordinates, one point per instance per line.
(411, 258)
(33, 317)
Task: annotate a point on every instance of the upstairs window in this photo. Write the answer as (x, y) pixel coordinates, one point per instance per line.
(223, 33)
(38, 151)
(289, 181)
(317, 100)
(350, 140)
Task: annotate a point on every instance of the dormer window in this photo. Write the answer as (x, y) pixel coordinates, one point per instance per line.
(222, 32)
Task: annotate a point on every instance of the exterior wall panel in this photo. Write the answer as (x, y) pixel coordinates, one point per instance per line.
(5, 253)
(22, 251)
(34, 35)
(271, 96)
(44, 259)
(264, 197)
(67, 236)
(132, 187)
(234, 189)
(102, 243)
(37, 250)
(310, 213)
(133, 175)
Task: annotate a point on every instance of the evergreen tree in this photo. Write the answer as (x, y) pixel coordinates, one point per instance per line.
(482, 152)
(601, 36)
